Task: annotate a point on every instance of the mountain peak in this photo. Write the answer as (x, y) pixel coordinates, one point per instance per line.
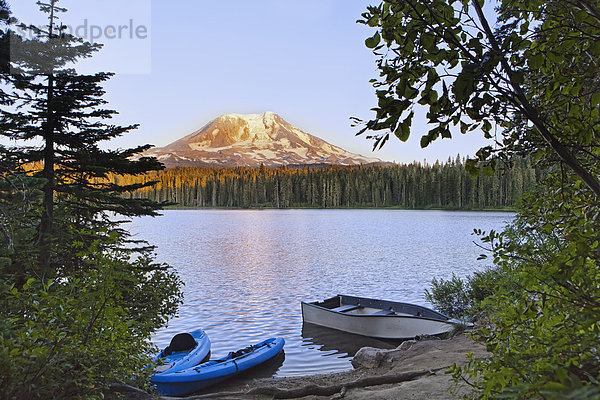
(250, 116)
(259, 127)
(266, 116)
(253, 139)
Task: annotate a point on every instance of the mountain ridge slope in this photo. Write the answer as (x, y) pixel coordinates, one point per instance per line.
(251, 140)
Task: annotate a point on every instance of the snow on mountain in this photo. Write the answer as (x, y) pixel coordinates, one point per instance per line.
(250, 140)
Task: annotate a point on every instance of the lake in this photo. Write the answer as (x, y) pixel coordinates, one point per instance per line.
(246, 271)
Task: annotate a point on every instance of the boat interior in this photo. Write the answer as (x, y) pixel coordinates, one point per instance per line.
(365, 306)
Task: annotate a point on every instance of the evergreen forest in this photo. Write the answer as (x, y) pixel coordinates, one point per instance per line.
(417, 185)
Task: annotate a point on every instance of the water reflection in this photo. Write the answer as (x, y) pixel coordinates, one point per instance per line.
(345, 344)
(264, 370)
(246, 272)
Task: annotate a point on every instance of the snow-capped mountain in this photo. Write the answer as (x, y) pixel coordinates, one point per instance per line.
(251, 140)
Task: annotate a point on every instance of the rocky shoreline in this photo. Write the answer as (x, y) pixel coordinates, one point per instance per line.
(414, 370)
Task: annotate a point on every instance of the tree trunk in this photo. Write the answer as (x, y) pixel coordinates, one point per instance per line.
(47, 218)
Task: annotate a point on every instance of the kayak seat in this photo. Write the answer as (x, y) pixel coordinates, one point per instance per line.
(241, 352)
(345, 308)
(180, 342)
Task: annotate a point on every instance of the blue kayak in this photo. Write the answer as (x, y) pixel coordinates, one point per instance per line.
(208, 373)
(185, 351)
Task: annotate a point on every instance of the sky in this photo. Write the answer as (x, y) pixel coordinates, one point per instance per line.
(190, 61)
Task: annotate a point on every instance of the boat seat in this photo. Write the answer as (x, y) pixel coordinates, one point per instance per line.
(345, 308)
(383, 312)
(180, 342)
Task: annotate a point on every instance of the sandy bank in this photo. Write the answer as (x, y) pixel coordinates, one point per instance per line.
(415, 370)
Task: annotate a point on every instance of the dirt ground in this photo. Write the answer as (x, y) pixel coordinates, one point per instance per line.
(415, 370)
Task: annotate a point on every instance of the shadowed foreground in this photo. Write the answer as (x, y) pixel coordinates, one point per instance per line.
(415, 370)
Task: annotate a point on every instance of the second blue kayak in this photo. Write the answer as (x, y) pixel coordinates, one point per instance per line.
(208, 373)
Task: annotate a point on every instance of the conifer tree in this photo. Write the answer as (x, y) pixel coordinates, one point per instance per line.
(65, 110)
(74, 295)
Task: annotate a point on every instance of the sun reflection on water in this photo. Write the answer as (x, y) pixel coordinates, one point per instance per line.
(247, 271)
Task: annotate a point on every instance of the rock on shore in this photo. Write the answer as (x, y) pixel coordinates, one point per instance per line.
(414, 370)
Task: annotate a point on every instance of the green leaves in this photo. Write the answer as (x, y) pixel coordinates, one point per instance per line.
(61, 339)
(90, 327)
(533, 77)
(464, 86)
(424, 39)
(402, 131)
(542, 311)
(595, 100)
(373, 41)
(535, 60)
(463, 299)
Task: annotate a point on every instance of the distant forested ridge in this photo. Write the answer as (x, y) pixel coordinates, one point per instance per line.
(416, 185)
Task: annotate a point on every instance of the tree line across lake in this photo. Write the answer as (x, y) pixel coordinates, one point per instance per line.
(415, 185)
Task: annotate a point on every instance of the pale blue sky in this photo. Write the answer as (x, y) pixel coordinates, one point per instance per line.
(303, 59)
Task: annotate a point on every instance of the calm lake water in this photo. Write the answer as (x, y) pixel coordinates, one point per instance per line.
(246, 271)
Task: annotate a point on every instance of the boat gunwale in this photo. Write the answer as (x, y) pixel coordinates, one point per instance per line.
(442, 317)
